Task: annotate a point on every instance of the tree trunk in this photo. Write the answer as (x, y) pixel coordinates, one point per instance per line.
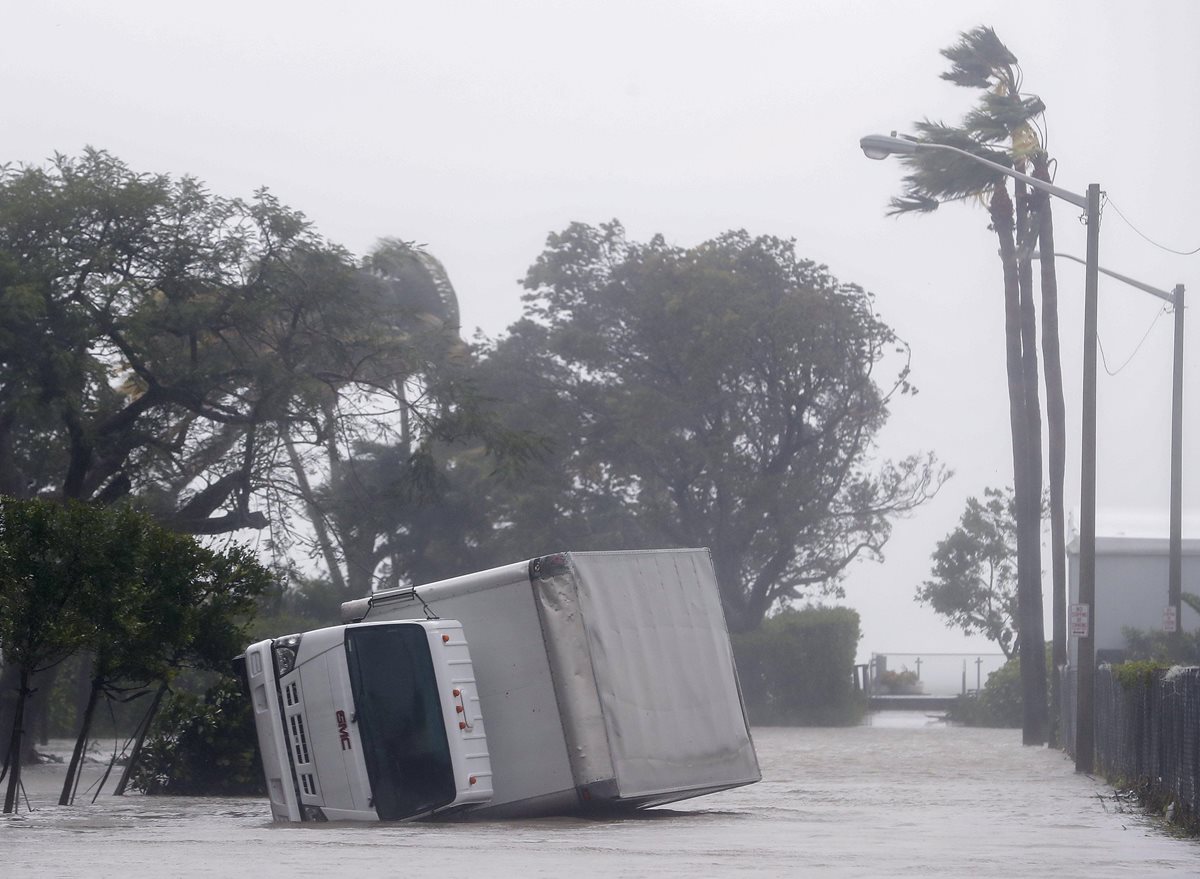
(10, 679)
(143, 729)
(85, 728)
(1033, 654)
(34, 712)
(1056, 429)
(315, 515)
(14, 745)
(1002, 222)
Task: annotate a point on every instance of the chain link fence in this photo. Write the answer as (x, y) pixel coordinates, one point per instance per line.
(1147, 730)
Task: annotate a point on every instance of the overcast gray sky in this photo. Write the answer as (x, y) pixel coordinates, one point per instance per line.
(477, 128)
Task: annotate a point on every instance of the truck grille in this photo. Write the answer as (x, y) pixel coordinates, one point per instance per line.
(299, 740)
(308, 783)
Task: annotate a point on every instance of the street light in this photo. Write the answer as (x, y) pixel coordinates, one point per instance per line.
(880, 146)
(1175, 549)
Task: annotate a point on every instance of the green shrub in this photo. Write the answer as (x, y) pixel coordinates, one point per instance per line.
(1138, 673)
(203, 746)
(1179, 649)
(999, 704)
(798, 668)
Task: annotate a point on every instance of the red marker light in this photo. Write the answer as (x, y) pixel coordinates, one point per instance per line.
(445, 638)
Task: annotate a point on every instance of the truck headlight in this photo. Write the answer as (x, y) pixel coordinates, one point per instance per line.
(285, 649)
(313, 813)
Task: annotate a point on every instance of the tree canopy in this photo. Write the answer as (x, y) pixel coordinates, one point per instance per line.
(158, 341)
(974, 576)
(725, 395)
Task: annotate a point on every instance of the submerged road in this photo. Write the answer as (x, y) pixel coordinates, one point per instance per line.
(902, 796)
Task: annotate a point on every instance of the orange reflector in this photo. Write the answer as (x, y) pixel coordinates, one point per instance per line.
(445, 638)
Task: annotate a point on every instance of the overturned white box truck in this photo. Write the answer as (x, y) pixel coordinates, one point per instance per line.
(569, 682)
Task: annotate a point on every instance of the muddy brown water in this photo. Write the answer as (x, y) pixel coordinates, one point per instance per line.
(903, 795)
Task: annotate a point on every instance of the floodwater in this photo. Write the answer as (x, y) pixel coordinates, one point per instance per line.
(903, 795)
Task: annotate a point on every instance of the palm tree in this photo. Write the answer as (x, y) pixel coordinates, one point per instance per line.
(368, 485)
(1004, 128)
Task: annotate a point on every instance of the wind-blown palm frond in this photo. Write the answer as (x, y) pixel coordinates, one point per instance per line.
(912, 202)
(977, 57)
(998, 116)
(947, 176)
(418, 282)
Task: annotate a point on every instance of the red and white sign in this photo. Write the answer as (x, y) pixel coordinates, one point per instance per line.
(1170, 619)
(1080, 617)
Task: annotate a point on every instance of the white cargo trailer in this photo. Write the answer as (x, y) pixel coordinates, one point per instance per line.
(568, 682)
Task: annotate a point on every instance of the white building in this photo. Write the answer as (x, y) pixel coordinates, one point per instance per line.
(1131, 587)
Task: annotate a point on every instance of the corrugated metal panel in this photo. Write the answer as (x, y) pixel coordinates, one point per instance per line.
(663, 671)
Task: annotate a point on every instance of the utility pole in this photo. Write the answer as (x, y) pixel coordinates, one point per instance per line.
(1175, 565)
(1085, 736)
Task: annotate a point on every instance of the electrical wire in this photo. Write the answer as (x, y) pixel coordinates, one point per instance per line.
(1146, 237)
(1132, 356)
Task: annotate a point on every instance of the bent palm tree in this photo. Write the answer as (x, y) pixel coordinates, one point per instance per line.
(1006, 118)
(362, 498)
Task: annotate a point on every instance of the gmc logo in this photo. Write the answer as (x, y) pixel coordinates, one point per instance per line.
(343, 730)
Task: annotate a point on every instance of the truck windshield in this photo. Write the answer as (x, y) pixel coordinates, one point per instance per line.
(399, 720)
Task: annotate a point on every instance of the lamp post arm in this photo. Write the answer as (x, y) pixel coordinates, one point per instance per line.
(1065, 194)
(1146, 288)
(880, 146)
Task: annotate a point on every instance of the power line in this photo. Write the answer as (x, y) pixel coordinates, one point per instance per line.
(1146, 237)
(1128, 359)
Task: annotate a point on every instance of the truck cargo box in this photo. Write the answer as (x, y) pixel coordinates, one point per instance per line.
(603, 677)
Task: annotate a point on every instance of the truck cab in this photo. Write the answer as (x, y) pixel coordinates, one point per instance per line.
(369, 721)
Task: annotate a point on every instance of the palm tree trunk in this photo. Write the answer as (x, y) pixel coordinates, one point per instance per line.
(1001, 209)
(1033, 655)
(1056, 430)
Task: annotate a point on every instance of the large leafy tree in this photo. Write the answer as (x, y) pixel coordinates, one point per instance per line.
(725, 395)
(1005, 128)
(158, 341)
(974, 577)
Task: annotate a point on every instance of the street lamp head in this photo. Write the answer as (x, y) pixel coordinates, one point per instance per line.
(880, 146)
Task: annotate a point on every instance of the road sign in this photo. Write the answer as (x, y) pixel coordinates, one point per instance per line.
(1170, 619)
(1080, 618)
